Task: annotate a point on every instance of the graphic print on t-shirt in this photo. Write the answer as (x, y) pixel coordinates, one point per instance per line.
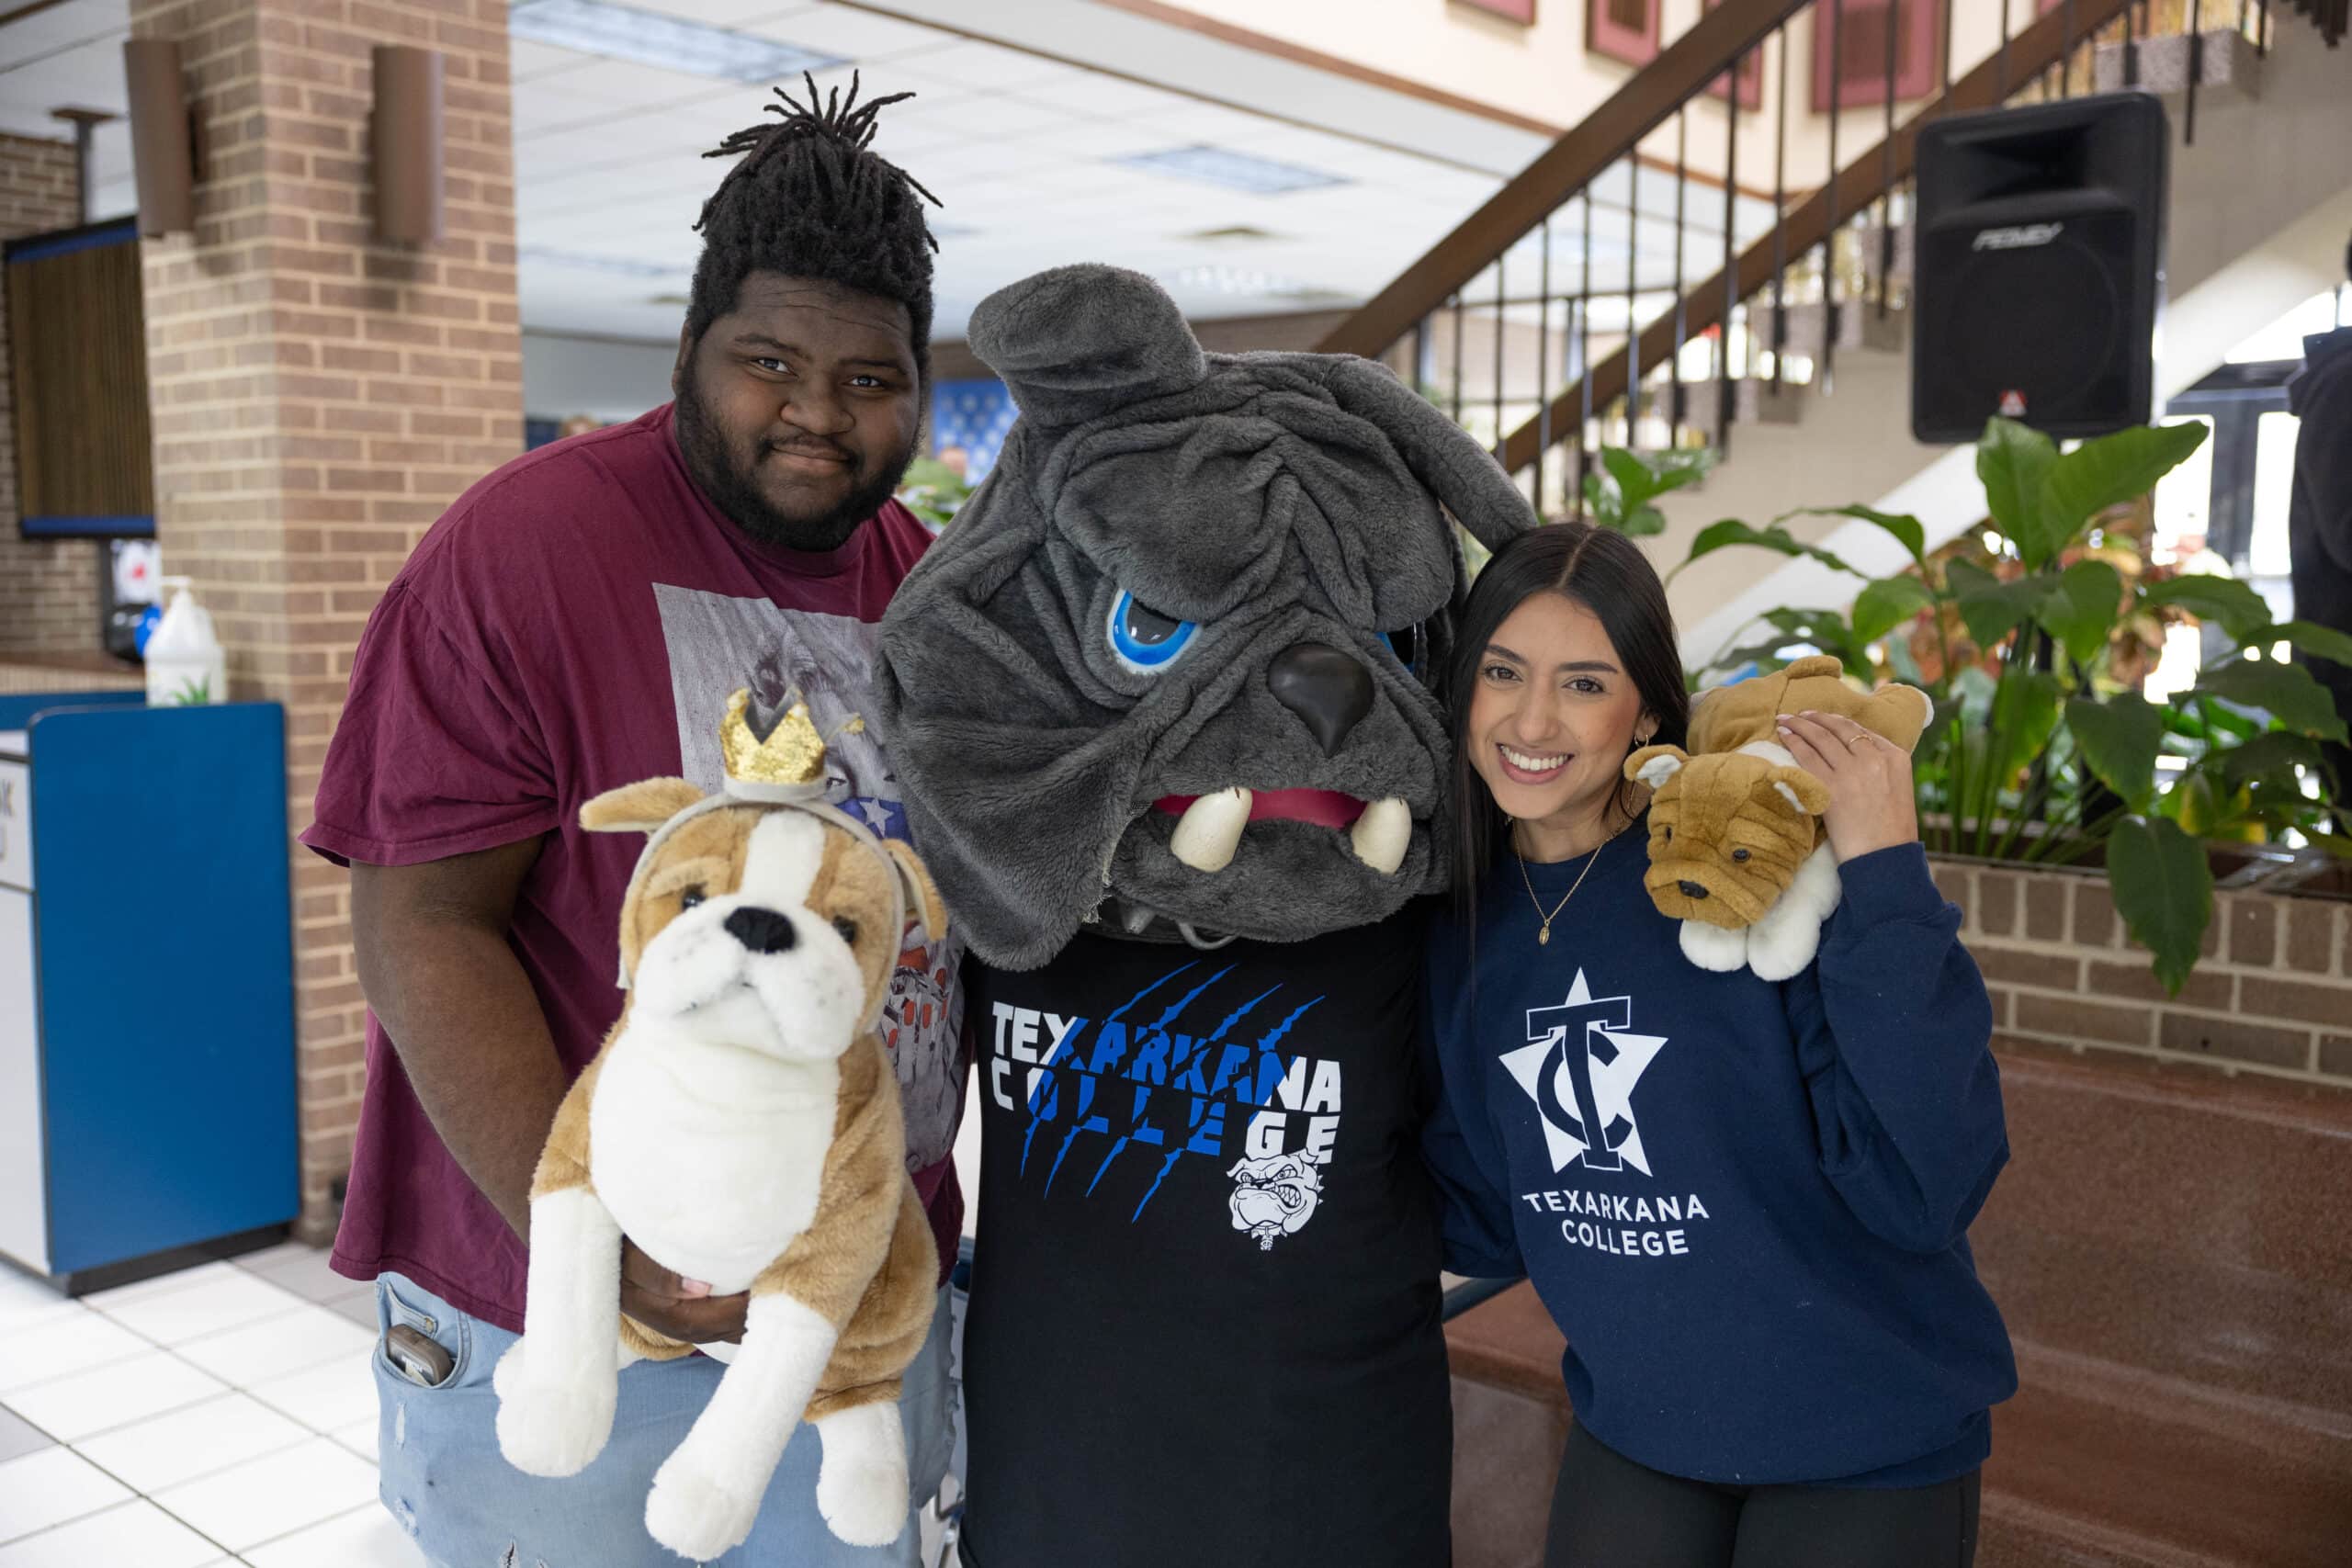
(1580, 1066)
(717, 644)
(1163, 1076)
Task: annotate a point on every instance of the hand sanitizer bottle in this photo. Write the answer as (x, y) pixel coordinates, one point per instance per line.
(185, 667)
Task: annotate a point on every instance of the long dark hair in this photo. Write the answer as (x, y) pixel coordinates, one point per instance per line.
(1606, 573)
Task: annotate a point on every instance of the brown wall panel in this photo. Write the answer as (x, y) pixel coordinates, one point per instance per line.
(78, 346)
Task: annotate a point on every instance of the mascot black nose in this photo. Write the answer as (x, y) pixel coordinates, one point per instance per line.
(1689, 890)
(1323, 686)
(762, 931)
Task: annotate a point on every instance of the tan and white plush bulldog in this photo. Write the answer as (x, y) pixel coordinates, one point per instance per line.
(742, 1125)
(1737, 852)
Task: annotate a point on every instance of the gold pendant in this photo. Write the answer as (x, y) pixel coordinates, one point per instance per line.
(1544, 937)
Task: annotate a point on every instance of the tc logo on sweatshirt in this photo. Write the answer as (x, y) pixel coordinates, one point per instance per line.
(1580, 1066)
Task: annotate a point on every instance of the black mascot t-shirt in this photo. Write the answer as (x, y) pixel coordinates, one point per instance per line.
(1204, 1322)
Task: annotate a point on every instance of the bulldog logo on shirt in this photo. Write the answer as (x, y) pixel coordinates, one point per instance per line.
(1275, 1196)
(1579, 1065)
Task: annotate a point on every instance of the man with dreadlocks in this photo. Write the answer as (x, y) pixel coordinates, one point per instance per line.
(576, 622)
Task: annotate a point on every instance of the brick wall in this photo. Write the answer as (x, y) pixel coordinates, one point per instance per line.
(2272, 993)
(49, 588)
(320, 398)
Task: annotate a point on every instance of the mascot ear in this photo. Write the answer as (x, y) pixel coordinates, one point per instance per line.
(1463, 475)
(640, 807)
(924, 903)
(1653, 765)
(1806, 794)
(1079, 342)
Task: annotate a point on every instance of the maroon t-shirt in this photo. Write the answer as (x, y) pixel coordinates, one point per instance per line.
(576, 622)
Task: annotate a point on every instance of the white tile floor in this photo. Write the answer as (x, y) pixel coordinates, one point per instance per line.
(224, 1415)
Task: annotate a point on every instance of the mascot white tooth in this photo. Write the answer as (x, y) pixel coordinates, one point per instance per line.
(1160, 698)
(742, 1125)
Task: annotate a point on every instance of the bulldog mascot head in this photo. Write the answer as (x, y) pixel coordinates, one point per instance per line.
(1166, 670)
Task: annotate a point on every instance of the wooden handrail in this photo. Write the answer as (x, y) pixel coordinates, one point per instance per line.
(1862, 182)
(1571, 163)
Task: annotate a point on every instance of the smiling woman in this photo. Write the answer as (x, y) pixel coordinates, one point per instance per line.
(1566, 662)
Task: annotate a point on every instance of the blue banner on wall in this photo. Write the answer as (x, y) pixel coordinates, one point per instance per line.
(972, 417)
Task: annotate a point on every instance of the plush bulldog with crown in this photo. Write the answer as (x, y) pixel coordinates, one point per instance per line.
(741, 1124)
(1159, 700)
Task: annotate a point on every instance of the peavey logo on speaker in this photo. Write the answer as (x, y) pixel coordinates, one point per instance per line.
(2022, 238)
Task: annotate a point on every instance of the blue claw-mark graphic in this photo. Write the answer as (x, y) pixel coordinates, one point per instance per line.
(1161, 1027)
(1116, 1146)
(1275, 1038)
(1077, 1124)
(1200, 1111)
(1046, 1094)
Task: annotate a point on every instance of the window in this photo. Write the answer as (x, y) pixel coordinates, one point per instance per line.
(1860, 49)
(1621, 30)
(1519, 11)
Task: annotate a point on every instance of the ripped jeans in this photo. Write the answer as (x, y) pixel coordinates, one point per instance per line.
(450, 1487)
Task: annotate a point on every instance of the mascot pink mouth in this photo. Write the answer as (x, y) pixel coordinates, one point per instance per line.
(1323, 807)
(1209, 827)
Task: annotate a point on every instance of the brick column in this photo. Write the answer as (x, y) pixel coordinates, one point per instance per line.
(49, 588)
(320, 398)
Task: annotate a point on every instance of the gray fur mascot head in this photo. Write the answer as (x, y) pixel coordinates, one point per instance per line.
(1166, 668)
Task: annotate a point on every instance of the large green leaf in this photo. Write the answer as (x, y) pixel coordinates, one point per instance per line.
(1992, 608)
(2083, 607)
(2324, 642)
(2119, 739)
(2285, 691)
(2025, 712)
(2228, 603)
(2108, 472)
(2273, 756)
(1907, 530)
(1732, 531)
(2013, 461)
(2163, 890)
(1886, 603)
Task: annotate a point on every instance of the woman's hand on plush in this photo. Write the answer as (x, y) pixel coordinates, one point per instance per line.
(1867, 776)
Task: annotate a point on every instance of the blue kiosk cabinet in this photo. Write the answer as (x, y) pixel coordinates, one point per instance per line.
(147, 1093)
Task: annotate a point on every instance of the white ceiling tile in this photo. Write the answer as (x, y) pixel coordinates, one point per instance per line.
(622, 84)
(986, 67)
(89, 75)
(1115, 97)
(79, 21)
(1212, 123)
(528, 59)
(851, 35)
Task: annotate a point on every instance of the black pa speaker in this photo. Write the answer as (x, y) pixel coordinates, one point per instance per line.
(2039, 267)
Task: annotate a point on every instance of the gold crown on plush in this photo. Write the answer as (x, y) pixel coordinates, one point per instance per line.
(789, 761)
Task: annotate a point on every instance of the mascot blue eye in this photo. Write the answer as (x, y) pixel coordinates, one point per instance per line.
(1142, 638)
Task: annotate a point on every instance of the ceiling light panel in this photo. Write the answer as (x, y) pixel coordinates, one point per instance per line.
(1234, 171)
(648, 37)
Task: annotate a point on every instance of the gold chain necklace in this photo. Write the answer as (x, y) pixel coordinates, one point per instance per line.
(1544, 936)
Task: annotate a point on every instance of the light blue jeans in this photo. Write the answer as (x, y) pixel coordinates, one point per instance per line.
(450, 1487)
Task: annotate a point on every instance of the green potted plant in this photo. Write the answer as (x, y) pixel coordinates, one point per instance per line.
(2042, 749)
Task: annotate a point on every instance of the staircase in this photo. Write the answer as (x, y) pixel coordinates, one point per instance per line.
(1681, 270)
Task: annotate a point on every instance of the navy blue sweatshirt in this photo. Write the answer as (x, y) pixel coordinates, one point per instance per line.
(1760, 1260)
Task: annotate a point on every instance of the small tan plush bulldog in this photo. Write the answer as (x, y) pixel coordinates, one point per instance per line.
(742, 1125)
(1736, 851)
